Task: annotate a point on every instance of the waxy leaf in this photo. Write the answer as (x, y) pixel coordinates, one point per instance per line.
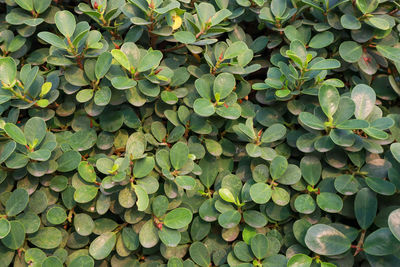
(178, 218)
(179, 155)
(394, 224)
(8, 70)
(364, 97)
(311, 169)
(329, 99)
(102, 246)
(65, 22)
(326, 240)
(17, 202)
(15, 133)
(365, 207)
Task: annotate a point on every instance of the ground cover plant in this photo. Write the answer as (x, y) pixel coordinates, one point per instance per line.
(199, 133)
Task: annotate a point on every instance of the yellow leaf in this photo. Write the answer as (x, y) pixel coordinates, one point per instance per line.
(45, 88)
(42, 103)
(177, 22)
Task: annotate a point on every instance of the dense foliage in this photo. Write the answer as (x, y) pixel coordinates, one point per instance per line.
(199, 133)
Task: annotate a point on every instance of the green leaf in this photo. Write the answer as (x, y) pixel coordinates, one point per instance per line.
(5, 227)
(17, 202)
(185, 37)
(204, 107)
(223, 85)
(159, 205)
(364, 98)
(15, 237)
(259, 246)
(343, 138)
(311, 169)
(329, 202)
(200, 254)
(375, 133)
(278, 8)
(365, 207)
(395, 149)
(83, 224)
(392, 53)
(229, 219)
(175, 262)
(350, 22)
(353, 124)
(68, 161)
(85, 193)
(350, 51)
(379, 23)
(35, 130)
(273, 133)
(52, 261)
(311, 121)
(130, 238)
(25, 4)
(394, 223)
(367, 6)
(235, 50)
(280, 196)
(220, 16)
(260, 193)
(65, 22)
(169, 237)
(102, 246)
(82, 261)
(328, 97)
(103, 64)
(205, 11)
(278, 167)
(143, 167)
(87, 172)
(121, 58)
(326, 64)
(321, 40)
(136, 145)
(186, 182)
(123, 83)
(226, 195)
(8, 70)
(102, 96)
(6, 149)
(178, 218)
(381, 242)
(52, 39)
(46, 238)
(326, 240)
(380, 186)
(150, 61)
(41, 5)
(347, 184)
(299, 260)
(56, 215)
(148, 235)
(76, 76)
(142, 198)
(15, 133)
(179, 155)
(213, 147)
(305, 204)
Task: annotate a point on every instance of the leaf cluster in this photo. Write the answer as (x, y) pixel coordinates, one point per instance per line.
(199, 133)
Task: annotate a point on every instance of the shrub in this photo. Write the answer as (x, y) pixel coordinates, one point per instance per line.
(199, 133)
